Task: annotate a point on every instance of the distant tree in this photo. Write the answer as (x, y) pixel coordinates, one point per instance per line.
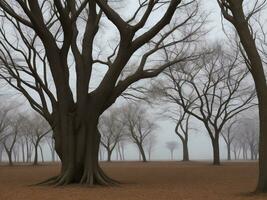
(111, 127)
(172, 145)
(138, 126)
(228, 134)
(236, 148)
(40, 128)
(4, 121)
(14, 123)
(121, 148)
(150, 144)
(250, 136)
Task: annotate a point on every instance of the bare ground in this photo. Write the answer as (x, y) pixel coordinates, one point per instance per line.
(148, 181)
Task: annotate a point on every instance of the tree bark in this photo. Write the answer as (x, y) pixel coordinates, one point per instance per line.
(9, 155)
(35, 162)
(78, 151)
(228, 151)
(185, 151)
(216, 151)
(257, 70)
(142, 152)
(109, 153)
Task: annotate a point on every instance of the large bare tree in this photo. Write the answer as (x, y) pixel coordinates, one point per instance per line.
(234, 12)
(56, 44)
(212, 89)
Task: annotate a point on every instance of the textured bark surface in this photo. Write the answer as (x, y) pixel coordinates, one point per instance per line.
(185, 151)
(216, 152)
(78, 152)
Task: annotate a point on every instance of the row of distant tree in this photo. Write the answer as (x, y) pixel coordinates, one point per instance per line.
(24, 136)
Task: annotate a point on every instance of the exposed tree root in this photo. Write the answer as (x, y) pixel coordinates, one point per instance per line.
(89, 178)
(46, 182)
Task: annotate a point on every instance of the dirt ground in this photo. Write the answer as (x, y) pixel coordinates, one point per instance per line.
(148, 181)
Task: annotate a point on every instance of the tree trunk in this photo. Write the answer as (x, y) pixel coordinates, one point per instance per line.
(216, 151)
(228, 151)
(9, 155)
(122, 151)
(119, 151)
(23, 153)
(235, 153)
(257, 70)
(185, 151)
(41, 151)
(35, 162)
(262, 180)
(142, 152)
(78, 148)
(109, 153)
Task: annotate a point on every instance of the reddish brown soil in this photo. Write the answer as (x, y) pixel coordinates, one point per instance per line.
(148, 181)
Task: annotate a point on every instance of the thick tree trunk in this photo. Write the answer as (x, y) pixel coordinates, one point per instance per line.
(216, 151)
(257, 70)
(262, 180)
(185, 151)
(78, 148)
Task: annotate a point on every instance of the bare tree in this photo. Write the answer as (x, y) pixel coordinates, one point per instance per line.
(138, 126)
(250, 136)
(150, 145)
(212, 89)
(172, 145)
(182, 131)
(52, 33)
(121, 148)
(111, 128)
(26, 131)
(228, 134)
(233, 12)
(4, 122)
(236, 148)
(40, 129)
(11, 136)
